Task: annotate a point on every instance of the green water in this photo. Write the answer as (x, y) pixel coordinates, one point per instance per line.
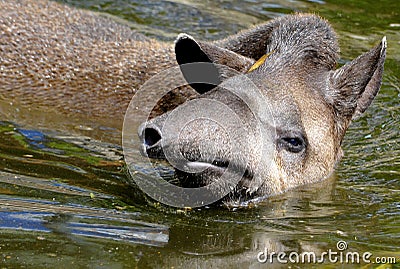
(65, 201)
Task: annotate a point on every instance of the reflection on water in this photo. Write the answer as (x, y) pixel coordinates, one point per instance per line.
(39, 216)
(65, 199)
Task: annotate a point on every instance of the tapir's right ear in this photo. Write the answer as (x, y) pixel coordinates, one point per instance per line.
(209, 73)
(353, 87)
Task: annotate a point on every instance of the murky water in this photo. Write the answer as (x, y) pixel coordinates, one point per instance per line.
(65, 201)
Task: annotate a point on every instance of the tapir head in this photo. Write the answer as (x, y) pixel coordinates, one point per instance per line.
(271, 107)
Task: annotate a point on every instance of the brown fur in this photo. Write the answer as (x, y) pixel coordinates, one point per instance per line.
(74, 61)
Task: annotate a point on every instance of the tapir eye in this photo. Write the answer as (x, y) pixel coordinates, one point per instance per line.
(293, 144)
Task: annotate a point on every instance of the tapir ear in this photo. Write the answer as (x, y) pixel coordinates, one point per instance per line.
(354, 86)
(205, 76)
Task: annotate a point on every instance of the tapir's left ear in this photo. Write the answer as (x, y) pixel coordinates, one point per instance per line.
(355, 85)
(204, 77)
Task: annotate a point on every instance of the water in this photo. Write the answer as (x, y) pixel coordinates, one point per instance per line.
(65, 200)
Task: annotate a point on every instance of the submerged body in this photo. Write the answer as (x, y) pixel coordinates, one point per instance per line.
(58, 58)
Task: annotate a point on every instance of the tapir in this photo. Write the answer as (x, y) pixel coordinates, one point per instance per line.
(274, 105)
(275, 122)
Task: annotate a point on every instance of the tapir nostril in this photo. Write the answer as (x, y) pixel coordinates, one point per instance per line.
(151, 136)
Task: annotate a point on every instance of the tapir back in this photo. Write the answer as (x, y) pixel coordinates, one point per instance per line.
(62, 58)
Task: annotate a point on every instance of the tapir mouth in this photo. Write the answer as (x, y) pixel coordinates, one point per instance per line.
(210, 171)
(213, 171)
(219, 165)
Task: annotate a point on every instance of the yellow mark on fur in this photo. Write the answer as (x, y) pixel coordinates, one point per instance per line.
(259, 62)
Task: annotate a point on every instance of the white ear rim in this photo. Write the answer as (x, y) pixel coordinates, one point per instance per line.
(384, 43)
(184, 36)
